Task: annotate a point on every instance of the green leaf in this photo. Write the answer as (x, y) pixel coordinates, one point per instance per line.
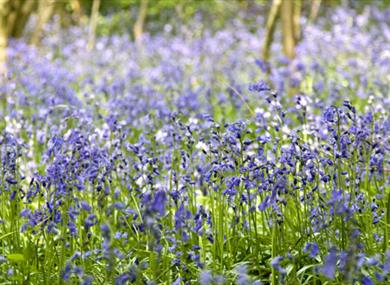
(16, 257)
(6, 235)
(289, 269)
(16, 278)
(303, 269)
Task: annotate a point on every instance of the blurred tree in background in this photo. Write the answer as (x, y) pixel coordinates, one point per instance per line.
(14, 16)
(289, 12)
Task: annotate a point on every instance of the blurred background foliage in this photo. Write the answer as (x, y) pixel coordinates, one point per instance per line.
(136, 17)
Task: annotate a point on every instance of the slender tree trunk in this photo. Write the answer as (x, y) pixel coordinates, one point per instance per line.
(18, 16)
(4, 10)
(138, 28)
(11, 15)
(60, 10)
(3, 48)
(314, 8)
(297, 20)
(288, 28)
(93, 23)
(76, 10)
(179, 11)
(270, 28)
(45, 11)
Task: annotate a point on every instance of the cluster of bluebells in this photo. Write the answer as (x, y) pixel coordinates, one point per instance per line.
(166, 165)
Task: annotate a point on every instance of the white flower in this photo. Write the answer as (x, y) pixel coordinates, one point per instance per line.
(202, 146)
(161, 135)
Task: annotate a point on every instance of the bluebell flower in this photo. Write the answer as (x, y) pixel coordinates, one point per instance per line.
(329, 114)
(367, 281)
(259, 87)
(106, 232)
(205, 277)
(85, 206)
(219, 279)
(90, 221)
(329, 267)
(11, 180)
(87, 280)
(122, 279)
(177, 281)
(275, 263)
(10, 272)
(159, 201)
(66, 272)
(312, 249)
(264, 66)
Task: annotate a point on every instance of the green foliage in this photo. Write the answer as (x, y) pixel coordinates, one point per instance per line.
(122, 14)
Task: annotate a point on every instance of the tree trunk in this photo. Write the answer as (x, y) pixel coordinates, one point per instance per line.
(93, 23)
(45, 11)
(315, 7)
(76, 10)
(297, 20)
(4, 10)
(288, 28)
(18, 16)
(270, 28)
(138, 28)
